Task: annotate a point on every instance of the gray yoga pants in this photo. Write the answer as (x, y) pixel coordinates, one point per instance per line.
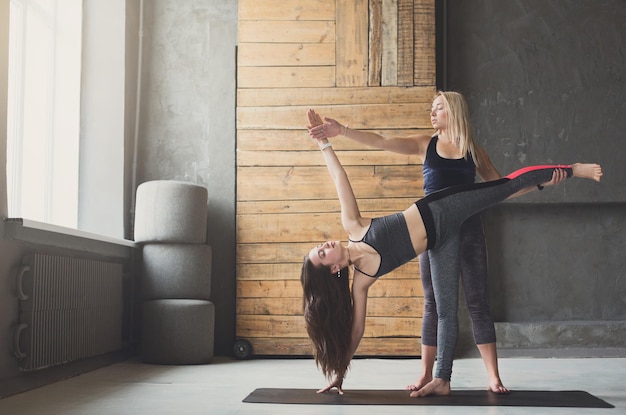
(474, 278)
(443, 213)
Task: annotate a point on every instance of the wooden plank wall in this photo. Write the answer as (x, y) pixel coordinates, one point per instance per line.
(368, 63)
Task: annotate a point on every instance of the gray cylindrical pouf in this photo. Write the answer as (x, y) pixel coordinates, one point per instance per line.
(176, 271)
(177, 332)
(171, 211)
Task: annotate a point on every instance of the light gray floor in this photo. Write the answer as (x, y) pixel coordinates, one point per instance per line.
(130, 387)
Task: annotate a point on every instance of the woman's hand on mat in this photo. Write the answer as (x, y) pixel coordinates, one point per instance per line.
(337, 383)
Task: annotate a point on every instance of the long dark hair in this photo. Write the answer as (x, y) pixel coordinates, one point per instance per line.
(328, 316)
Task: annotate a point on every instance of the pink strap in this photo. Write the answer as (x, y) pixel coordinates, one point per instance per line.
(519, 172)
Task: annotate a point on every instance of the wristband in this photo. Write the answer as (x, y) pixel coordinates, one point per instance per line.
(326, 145)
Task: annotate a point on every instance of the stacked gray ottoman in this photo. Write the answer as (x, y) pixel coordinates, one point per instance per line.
(178, 318)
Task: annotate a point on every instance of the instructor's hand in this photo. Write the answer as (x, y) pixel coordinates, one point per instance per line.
(558, 177)
(319, 129)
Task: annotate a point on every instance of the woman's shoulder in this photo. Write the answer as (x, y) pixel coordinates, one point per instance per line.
(420, 144)
(357, 233)
(361, 283)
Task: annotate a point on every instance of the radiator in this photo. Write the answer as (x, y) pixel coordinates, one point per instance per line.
(70, 309)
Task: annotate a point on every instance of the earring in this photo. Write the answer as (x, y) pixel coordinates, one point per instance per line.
(339, 274)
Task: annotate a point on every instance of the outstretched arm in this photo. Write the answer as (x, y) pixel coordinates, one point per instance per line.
(415, 144)
(350, 214)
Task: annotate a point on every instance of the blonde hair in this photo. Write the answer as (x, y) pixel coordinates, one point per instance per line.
(459, 127)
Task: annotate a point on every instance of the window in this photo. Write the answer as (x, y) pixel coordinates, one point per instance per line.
(68, 133)
(44, 110)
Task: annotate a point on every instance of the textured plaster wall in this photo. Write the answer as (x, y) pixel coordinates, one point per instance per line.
(187, 123)
(544, 82)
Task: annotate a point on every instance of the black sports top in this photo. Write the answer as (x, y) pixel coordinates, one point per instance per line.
(389, 236)
(440, 172)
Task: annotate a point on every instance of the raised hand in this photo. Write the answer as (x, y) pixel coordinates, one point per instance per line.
(319, 129)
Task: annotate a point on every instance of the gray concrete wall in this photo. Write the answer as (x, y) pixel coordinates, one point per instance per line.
(544, 82)
(187, 124)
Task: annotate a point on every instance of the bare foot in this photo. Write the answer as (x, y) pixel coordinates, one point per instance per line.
(496, 386)
(587, 171)
(421, 382)
(436, 387)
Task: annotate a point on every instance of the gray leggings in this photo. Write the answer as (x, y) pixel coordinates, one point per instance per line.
(443, 213)
(474, 277)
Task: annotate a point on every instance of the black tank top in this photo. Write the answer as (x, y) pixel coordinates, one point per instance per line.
(440, 172)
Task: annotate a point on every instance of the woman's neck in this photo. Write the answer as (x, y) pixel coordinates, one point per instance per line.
(354, 254)
(443, 136)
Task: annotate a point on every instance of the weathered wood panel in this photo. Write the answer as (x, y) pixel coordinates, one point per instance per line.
(326, 54)
(405, 43)
(402, 346)
(300, 182)
(352, 38)
(424, 41)
(292, 10)
(291, 270)
(259, 31)
(389, 66)
(293, 326)
(376, 42)
(384, 306)
(312, 158)
(367, 206)
(367, 116)
(331, 97)
(285, 77)
(286, 54)
(386, 287)
(298, 140)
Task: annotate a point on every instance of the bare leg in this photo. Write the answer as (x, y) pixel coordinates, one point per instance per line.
(428, 362)
(436, 387)
(587, 171)
(489, 354)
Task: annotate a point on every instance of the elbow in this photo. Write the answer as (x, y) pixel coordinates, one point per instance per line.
(357, 335)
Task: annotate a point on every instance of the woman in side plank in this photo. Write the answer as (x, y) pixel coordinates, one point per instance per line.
(335, 312)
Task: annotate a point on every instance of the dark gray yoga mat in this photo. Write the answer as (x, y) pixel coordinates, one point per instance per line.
(564, 399)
